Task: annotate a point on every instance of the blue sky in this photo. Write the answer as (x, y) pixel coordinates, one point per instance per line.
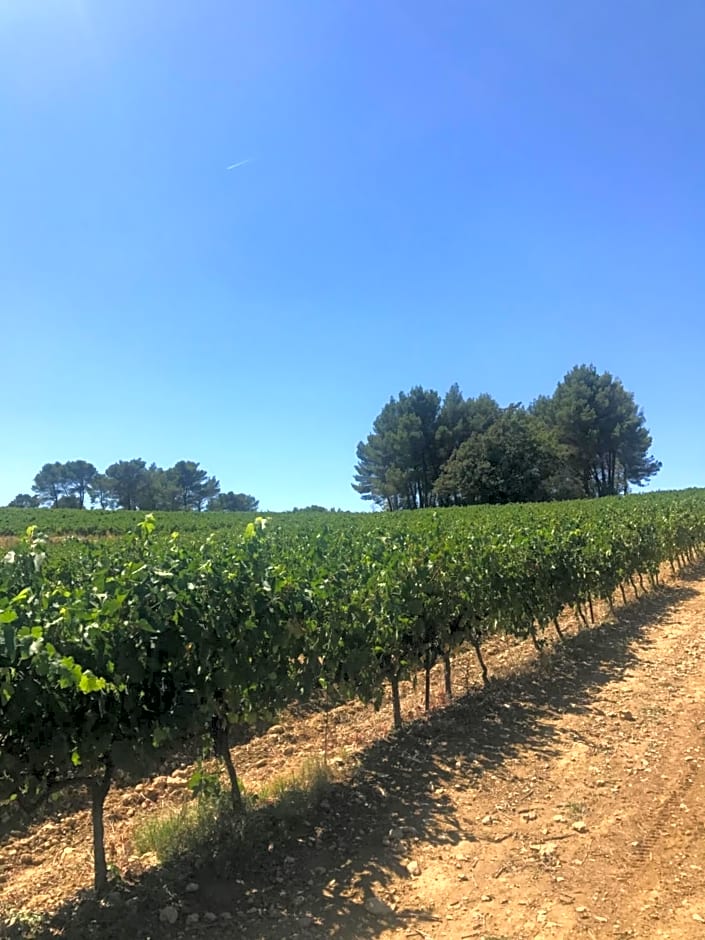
(474, 192)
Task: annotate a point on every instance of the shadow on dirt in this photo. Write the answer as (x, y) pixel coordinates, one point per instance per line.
(314, 876)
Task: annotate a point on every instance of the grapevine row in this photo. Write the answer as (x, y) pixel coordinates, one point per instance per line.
(110, 651)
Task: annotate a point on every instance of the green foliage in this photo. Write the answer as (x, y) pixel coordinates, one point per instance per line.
(194, 486)
(24, 501)
(74, 523)
(101, 492)
(290, 795)
(186, 831)
(64, 484)
(202, 825)
(204, 784)
(397, 465)
(128, 481)
(111, 650)
(512, 461)
(602, 429)
(589, 439)
(130, 485)
(233, 502)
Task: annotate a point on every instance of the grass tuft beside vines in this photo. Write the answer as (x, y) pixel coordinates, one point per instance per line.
(207, 822)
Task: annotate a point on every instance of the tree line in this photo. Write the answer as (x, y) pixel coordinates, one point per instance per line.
(588, 439)
(131, 484)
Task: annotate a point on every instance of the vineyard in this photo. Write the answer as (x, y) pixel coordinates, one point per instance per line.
(113, 650)
(102, 522)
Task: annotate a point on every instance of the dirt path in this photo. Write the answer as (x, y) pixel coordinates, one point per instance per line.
(565, 800)
(598, 829)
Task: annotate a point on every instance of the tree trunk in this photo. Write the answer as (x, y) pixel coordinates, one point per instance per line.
(235, 795)
(586, 482)
(558, 627)
(98, 792)
(475, 640)
(447, 675)
(221, 745)
(326, 733)
(427, 682)
(396, 703)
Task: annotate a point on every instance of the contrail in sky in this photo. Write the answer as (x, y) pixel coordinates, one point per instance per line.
(234, 166)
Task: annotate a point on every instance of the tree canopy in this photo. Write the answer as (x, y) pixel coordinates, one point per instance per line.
(64, 483)
(233, 502)
(397, 465)
(130, 484)
(512, 461)
(24, 501)
(588, 439)
(602, 430)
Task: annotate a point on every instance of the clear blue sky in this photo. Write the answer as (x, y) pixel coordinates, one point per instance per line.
(480, 192)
